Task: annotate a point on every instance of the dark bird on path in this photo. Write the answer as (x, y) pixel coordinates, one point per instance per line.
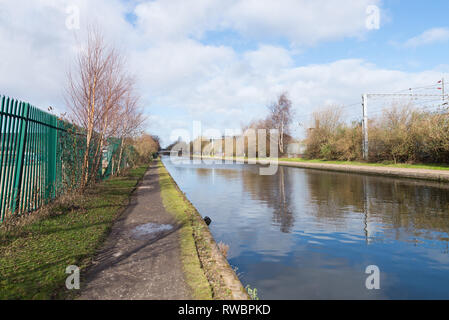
(208, 221)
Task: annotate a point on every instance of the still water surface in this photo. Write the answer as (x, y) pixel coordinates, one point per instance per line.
(308, 234)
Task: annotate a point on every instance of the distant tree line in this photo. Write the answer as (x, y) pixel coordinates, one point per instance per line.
(280, 118)
(403, 133)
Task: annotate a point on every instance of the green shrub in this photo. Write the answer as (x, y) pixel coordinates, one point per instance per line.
(401, 135)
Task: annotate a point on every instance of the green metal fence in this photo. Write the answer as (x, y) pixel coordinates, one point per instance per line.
(41, 157)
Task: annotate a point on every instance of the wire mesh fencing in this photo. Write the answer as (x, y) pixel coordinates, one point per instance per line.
(41, 157)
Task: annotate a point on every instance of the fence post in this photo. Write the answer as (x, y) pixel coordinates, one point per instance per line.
(2, 152)
(6, 157)
(50, 183)
(21, 156)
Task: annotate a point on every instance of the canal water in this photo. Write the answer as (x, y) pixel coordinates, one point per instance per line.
(309, 234)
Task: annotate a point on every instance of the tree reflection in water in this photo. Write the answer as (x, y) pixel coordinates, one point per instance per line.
(311, 234)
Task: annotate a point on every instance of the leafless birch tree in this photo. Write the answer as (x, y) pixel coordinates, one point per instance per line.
(97, 88)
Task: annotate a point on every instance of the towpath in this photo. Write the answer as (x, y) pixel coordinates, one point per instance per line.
(141, 257)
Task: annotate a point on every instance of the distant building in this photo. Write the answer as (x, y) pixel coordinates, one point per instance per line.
(296, 150)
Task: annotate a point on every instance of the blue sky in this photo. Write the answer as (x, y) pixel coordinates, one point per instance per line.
(222, 62)
(400, 21)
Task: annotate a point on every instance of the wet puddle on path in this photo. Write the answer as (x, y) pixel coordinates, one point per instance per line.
(150, 229)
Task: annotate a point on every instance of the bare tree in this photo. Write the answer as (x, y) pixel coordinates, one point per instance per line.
(280, 118)
(129, 121)
(116, 88)
(96, 87)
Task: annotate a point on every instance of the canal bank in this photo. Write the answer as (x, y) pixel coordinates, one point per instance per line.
(197, 240)
(410, 173)
(421, 174)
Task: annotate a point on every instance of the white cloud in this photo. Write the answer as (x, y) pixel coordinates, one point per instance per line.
(177, 19)
(302, 22)
(237, 92)
(268, 59)
(37, 48)
(170, 64)
(180, 77)
(435, 35)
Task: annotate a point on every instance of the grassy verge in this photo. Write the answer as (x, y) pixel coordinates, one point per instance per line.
(430, 166)
(175, 204)
(355, 163)
(34, 255)
(203, 271)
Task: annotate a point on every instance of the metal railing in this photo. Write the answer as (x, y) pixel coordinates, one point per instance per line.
(41, 157)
